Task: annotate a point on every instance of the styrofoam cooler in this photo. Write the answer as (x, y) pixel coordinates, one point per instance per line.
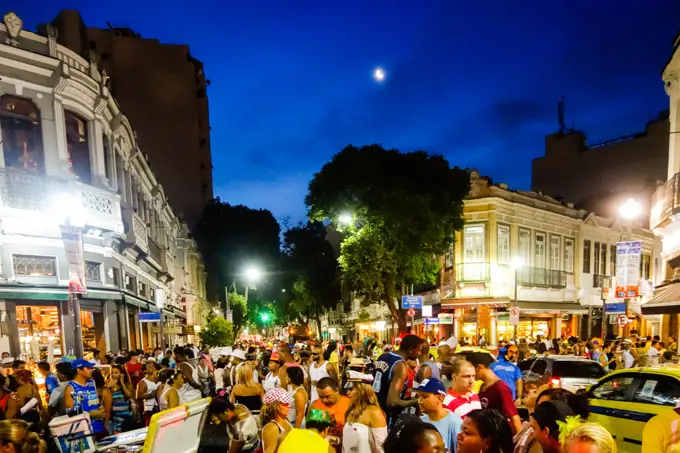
(73, 434)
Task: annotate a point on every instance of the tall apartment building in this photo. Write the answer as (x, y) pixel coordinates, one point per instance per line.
(162, 89)
(600, 177)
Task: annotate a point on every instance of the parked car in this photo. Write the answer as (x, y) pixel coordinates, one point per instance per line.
(564, 371)
(625, 400)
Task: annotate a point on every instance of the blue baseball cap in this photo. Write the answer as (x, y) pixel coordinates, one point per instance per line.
(432, 385)
(81, 363)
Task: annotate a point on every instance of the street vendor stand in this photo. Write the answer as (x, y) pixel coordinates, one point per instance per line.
(176, 430)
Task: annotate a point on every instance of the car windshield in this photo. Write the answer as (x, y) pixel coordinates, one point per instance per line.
(524, 365)
(577, 369)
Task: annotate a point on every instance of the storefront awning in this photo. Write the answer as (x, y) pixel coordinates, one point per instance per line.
(103, 294)
(666, 300)
(474, 302)
(33, 294)
(136, 301)
(551, 308)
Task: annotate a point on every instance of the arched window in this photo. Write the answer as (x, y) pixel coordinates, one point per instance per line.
(78, 146)
(21, 134)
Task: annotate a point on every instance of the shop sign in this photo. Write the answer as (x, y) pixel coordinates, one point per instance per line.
(75, 257)
(188, 330)
(169, 330)
(411, 302)
(614, 308)
(149, 316)
(628, 256)
(426, 311)
(446, 318)
(431, 321)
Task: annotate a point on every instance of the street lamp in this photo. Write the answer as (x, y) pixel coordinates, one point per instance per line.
(517, 263)
(346, 218)
(631, 209)
(253, 274)
(379, 74)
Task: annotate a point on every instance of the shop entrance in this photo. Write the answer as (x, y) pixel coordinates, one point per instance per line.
(92, 324)
(39, 331)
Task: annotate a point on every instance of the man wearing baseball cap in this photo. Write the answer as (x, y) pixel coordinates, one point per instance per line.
(81, 396)
(431, 393)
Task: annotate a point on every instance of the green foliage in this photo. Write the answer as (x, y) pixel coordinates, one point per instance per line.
(232, 238)
(218, 332)
(312, 261)
(406, 207)
(364, 316)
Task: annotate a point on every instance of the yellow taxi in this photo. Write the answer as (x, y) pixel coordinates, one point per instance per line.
(624, 400)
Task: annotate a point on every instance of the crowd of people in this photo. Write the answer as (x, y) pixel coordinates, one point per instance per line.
(276, 397)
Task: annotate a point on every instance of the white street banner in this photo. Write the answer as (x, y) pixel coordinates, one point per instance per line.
(628, 256)
(73, 245)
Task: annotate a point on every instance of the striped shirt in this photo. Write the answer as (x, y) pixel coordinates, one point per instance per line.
(461, 405)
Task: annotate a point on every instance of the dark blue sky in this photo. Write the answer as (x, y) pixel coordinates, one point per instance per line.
(476, 81)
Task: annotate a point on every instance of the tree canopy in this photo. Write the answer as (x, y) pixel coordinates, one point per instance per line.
(404, 207)
(232, 238)
(312, 266)
(217, 333)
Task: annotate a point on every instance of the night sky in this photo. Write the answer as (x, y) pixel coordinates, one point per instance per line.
(476, 81)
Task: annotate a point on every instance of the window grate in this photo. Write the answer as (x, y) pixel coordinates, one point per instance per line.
(93, 271)
(34, 266)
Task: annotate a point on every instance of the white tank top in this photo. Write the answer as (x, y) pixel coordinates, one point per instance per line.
(271, 382)
(162, 402)
(151, 402)
(359, 438)
(292, 412)
(187, 393)
(628, 359)
(316, 374)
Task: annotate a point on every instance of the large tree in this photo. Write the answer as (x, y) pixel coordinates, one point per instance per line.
(404, 210)
(231, 239)
(313, 271)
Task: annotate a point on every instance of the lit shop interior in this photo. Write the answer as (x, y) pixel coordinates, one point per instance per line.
(40, 331)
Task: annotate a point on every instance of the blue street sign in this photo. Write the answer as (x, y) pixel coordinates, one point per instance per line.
(431, 320)
(411, 302)
(619, 307)
(146, 316)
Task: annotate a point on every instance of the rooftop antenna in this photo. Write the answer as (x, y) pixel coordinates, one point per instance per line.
(560, 115)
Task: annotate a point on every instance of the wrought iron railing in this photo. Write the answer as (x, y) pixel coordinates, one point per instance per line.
(27, 191)
(154, 251)
(601, 281)
(665, 201)
(472, 272)
(535, 276)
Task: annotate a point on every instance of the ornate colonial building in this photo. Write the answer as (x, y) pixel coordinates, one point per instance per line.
(69, 156)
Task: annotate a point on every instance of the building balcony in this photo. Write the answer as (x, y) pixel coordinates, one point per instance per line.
(154, 251)
(136, 230)
(473, 272)
(601, 281)
(665, 202)
(538, 277)
(59, 199)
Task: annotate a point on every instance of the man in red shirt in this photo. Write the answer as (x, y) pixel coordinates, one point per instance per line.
(494, 394)
(134, 368)
(460, 399)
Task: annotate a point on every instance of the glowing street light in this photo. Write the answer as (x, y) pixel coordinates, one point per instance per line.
(631, 209)
(517, 263)
(346, 218)
(253, 274)
(379, 74)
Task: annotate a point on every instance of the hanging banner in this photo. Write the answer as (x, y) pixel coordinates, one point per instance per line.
(628, 256)
(75, 257)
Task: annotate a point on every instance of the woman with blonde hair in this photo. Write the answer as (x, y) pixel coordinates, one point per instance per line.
(275, 418)
(365, 427)
(590, 438)
(15, 437)
(246, 391)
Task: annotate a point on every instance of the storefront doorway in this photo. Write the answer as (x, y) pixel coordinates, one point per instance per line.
(39, 331)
